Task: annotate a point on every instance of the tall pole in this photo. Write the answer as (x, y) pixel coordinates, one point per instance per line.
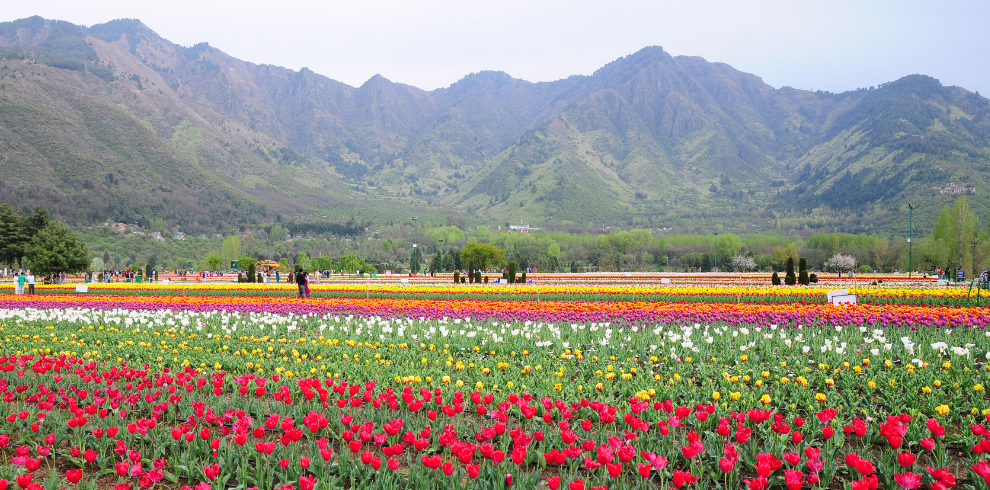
(441, 255)
(716, 251)
(910, 236)
(415, 248)
(115, 256)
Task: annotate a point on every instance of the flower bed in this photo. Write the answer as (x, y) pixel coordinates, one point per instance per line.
(238, 392)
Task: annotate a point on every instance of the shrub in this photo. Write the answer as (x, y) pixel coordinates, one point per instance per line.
(477, 276)
(260, 278)
(470, 271)
(775, 280)
(457, 277)
(463, 279)
(252, 272)
(789, 278)
(486, 277)
(864, 269)
(813, 278)
(522, 279)
(803, 272)
(512, 272)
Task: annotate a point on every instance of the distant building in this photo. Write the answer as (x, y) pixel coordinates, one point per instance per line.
(119, 227)
(157, 236)
(524, 229)
(202, 235)
(179, 236)
(953, 188)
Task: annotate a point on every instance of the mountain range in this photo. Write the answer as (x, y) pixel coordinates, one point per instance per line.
(114, 122)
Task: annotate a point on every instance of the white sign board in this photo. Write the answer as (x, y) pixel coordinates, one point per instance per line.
(664, 281)
(82, 288)
(503, 281)
(943, 282)
(628, 275)
(837, 292)
(404, 280)
(848, 299)
(166, 281)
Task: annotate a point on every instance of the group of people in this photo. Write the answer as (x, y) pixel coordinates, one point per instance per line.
(24, 279)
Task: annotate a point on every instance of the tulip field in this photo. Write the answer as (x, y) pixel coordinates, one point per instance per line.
(559, 385)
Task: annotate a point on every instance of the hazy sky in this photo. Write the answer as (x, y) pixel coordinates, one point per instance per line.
(826, 45)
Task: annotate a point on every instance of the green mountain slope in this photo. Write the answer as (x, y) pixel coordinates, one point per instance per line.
(197, 138)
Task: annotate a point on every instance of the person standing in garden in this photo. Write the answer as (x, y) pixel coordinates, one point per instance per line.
(19, 284)
(30, 281)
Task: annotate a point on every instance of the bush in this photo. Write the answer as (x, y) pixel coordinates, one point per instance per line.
(471, 271)
(457, 277)
(813, 278)
(260, 278)
(523, 278)
(512, 272)
(864, 269)
(463, 280)
(240, 277)
(486, 277)
(477, 276)
(775, 280)
(803, 272)
(252, 272)
(789, 278)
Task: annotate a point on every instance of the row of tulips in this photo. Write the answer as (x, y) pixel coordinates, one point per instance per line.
(73, 422)
(631, 314)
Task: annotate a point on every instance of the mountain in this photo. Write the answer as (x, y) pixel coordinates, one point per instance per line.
(113, 121)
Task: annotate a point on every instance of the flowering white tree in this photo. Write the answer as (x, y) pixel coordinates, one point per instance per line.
(743, 263)
(840, 263)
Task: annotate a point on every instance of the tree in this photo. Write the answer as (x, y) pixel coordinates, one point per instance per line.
(840, 262)
(213, 261)
(55, 249)
(96, 264)
(252, 272)
(435, 263)
(963, 231)
(14, 234)
(277, 233)
(483, 255)
(743, 263)
(245, 262)
(803, 272)
(230, 249)
(790, 279)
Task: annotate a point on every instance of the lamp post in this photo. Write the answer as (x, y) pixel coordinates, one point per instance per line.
(415, 248)
(716, 251)
(910, 243)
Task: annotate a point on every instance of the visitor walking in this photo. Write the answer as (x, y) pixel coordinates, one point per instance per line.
(30, 281)
(299, 283)
(19, 284)
(306, 283)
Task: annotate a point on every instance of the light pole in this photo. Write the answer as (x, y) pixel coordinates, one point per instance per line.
(716, 251)
(415, 248)
(910, 243)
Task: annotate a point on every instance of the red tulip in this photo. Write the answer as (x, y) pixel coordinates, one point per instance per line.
(576, 485)
(553, 483)
(908, 481)
(508, 480)
(307, 482)
(24, 480)
(73, 475)
(906, 459)
(644, 469)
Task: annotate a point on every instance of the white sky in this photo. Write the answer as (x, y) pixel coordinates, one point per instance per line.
(825, 45)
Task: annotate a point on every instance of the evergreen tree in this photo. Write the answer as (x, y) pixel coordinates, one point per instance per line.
(789, 278)
(803, 272)
(55, 249)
